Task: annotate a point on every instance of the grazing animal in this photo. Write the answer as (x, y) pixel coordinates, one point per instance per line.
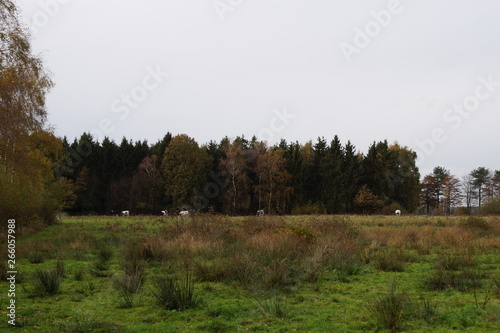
(398, 212)
(184, 213)
(125, 213)
(164, 212)
(113, 213)
(260, 212)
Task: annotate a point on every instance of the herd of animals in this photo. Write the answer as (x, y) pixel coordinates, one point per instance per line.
(184, 213)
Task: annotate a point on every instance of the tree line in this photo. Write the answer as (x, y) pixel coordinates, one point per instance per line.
(239, 176)
(441, 191)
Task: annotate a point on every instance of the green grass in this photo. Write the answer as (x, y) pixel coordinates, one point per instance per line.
(273, 274)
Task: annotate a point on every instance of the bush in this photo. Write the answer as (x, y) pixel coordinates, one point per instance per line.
(390, 310)
(174, 294)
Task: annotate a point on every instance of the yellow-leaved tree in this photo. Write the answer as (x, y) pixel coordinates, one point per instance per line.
(30, 191)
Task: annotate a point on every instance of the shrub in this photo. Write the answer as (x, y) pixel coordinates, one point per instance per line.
(391, 309)
(175, 294)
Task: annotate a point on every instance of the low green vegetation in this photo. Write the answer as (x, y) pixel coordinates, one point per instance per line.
(211, 273)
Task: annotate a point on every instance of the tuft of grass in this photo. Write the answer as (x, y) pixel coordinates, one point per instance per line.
(462, 280)
(87, 323)
(274, 307)
(392, 260)
(428, 311)
(173, 293)
(346, 270)
(456, 262)
(214, 271)
(47, 281)
(104, 253)
(36, 257)
(392, 309)
(100, 269)
(79, 274)
(128, 283)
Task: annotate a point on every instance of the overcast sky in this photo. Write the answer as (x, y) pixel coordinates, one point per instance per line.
(423, 73)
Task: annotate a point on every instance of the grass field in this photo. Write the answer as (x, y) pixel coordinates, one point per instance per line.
(269, 274)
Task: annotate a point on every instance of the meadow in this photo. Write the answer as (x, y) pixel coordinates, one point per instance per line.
(212, 273)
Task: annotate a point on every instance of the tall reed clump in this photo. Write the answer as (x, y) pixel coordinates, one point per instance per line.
(100, 267)
(174, 293)
(131, 279)
(390, 310)
(48, 281)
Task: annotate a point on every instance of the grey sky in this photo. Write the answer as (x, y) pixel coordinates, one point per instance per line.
(235, 65)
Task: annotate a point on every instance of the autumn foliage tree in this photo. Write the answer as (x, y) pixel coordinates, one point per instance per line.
(185, 168)
(30, 154)
(234, 168)
(273, 190)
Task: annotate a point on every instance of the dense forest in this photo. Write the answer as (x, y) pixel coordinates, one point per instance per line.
(239, 176)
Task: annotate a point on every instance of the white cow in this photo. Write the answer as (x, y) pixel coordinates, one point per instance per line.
(398, 212)
(260, 212)
(125, 213)
(184, 213)
(164, 212)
